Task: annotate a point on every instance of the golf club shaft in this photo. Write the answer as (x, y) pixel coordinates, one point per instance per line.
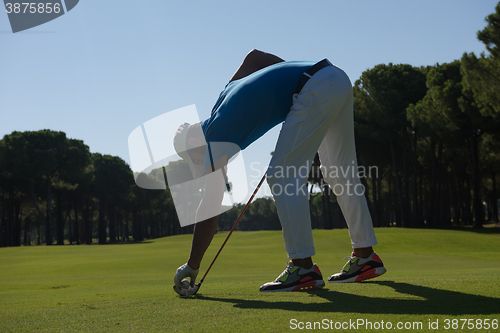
(234, 226)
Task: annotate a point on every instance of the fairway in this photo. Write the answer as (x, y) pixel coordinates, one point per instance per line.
(435, 277)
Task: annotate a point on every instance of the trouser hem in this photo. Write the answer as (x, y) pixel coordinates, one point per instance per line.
(370, 242)
(302, 254)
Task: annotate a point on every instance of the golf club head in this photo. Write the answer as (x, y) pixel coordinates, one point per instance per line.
(189, 291)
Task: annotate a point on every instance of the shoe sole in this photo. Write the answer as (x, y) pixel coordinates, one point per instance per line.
(310, 285)
(369, 274)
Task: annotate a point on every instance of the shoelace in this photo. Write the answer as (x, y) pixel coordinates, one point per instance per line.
(288, 267)
(348, 262)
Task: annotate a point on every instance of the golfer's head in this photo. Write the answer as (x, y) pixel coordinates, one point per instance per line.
(190, 145)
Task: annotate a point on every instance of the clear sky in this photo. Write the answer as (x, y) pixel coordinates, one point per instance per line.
(106, 67)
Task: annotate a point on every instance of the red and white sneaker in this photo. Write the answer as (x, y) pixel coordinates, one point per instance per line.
(359, 269)
(295, 278)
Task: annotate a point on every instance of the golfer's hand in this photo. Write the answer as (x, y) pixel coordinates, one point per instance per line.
(183, 272)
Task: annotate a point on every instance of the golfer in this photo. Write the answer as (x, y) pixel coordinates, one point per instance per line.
(314, 103)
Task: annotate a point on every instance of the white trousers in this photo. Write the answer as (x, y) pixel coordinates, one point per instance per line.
(320, 120)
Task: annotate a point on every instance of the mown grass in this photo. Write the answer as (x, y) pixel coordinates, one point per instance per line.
(432, 275)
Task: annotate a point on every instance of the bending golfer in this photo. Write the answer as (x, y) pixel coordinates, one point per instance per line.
(314, 102)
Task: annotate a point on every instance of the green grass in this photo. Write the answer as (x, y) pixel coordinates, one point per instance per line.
(432, 275)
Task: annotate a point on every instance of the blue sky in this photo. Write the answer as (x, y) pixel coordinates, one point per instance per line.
(106, 67)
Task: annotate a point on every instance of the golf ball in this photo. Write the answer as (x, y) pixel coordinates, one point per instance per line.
(185, 284)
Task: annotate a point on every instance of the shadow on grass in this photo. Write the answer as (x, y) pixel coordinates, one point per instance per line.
(433, 301)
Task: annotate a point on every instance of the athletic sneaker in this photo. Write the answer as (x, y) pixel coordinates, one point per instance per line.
(359, 269)
(295, 278)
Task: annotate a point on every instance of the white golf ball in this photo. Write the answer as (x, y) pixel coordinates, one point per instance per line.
(185, 284)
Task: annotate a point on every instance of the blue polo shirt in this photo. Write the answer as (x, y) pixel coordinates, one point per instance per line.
(249, 107)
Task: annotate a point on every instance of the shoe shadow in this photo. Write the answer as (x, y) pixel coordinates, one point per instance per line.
(431, 301)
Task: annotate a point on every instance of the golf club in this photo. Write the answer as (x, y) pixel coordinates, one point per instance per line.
(193, 290)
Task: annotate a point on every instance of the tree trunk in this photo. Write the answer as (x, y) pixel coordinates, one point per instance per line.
(119, 227)
(440, 195)
(376, 203)
(9, 220)
(87, 222)
(112, 223)
(138, 228)
(135, 234)
(77, 224)
(421, 194)
(101, 224)
(454, 190)
(430, 216)
(444, 217)
(495, 197)
(366, 194)
(16, 230)
(414, 159)
(467, 201)
(48, 220)
(398, 185)
(477, 203)
(3, 221)
(36, 203)
(125, 231)
(27, 231)
(39, 235)
(90, 226)
(406, 196)
(59, 218)
(381, 208)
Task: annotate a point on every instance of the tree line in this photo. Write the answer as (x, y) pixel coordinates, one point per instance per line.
(433, 134)
(53, 190)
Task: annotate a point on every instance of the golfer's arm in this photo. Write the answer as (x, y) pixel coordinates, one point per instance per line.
(203, 234)
(210, 204)
(255, 60)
